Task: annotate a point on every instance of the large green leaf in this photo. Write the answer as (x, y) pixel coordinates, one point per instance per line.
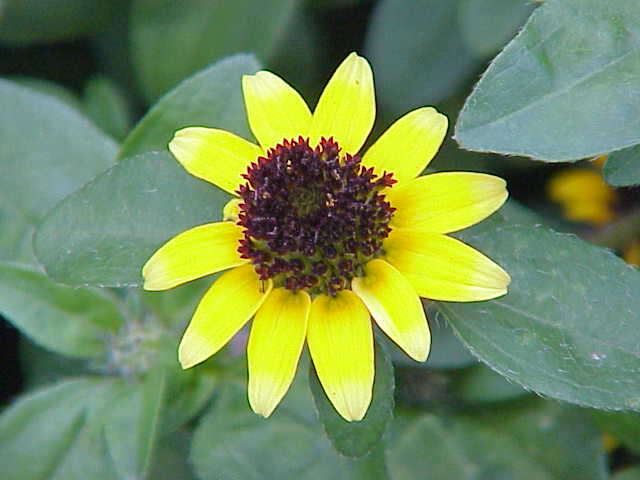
(104, 233)
(355, 439)
(567, 87)
(48, 151)
(210, 98)
(56, 433)
(171, 40)
(623, 167)
(70, 321)
(540, 441)
(417, 53)
(37, 21)
(568, 328)
(231, 443)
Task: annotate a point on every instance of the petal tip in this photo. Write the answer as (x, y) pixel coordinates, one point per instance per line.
(192, 351)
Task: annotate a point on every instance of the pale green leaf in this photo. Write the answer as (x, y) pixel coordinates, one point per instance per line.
(210, 98)
(48, 151)
(567, 87)
(71, 321)
(230, 443)
(568, 328)
(538, 441)
(171, 40)
(103, 234)
(623, 167)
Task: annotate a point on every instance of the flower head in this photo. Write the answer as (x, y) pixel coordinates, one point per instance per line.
(319, 240)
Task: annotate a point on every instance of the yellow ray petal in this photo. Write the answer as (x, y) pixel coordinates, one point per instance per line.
(443, 268)
(395, 306)
(408, 146)
(276, 341)
(275, 110)
(192, 254)
(225, 308)
(347, 107)
(217, 156)
(446, 202)
(340, 341)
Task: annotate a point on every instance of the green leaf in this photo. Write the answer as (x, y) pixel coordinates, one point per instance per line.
(568, 328)
(623, 426)
(56, 433)
(210, 98)
(355, 439)
(133, 425)
(230, 443)
(487, 25)
(171, 40)
(104, 233)
(70, 321)
(417, 53)
(48, 151)
(83, 428)
(17, 231)
(623, 167)
(567, 87)
(106, 105)
(539, 441)
(24, 22)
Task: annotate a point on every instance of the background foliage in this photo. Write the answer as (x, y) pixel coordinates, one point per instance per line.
(539, 384)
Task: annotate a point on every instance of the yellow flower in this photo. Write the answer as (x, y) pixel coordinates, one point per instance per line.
(320, 239)
(583, 195)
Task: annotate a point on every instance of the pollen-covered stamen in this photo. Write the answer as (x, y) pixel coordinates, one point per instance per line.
(312, 219)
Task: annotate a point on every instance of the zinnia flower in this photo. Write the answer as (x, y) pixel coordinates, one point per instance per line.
(320, 240)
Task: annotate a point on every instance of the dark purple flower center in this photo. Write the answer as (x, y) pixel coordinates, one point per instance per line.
(311, 219)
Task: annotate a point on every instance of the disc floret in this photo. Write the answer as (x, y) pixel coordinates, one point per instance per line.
(312, 219)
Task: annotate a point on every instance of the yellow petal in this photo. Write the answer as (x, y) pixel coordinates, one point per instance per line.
(275, 110)
(192, 254)
(217, 156)
(408, 146)
(340, 341)
(347, 107)
(230, 302)
(446, 202)
(276, 341)
(443, 268)
(395, 306)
